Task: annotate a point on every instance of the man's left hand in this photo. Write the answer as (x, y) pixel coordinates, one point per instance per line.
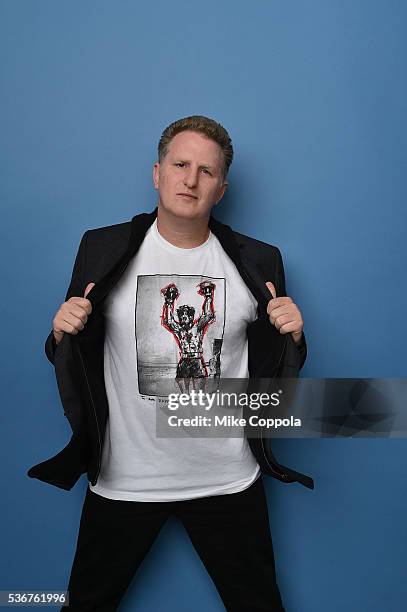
(284, 314)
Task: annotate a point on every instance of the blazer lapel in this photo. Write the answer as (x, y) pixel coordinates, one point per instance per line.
(139, 226)
(225, 235)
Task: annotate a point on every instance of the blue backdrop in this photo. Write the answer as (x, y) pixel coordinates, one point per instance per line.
(314, 96)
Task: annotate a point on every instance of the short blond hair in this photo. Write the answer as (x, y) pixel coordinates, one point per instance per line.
(203, 125)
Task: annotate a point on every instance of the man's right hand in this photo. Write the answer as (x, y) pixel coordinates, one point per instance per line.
(72, 316)
(170, 293)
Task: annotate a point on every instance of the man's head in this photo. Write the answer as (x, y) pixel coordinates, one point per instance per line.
(194, 156)
(186, 316)
(201, 125)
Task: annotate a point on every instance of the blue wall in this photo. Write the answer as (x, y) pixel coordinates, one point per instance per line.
(314, 96)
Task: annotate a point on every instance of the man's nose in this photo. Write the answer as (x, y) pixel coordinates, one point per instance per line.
(191, 178)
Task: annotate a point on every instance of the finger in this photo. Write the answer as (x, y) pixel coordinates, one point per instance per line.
(283, 317)
(88, 288)
(82, 302)
(289, 327)
(271, 288)
(70, 323)
(76, 310)
(282, 320)
(277, 308)
(65, 328)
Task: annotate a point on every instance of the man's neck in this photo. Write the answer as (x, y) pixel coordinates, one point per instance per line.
(182, 233)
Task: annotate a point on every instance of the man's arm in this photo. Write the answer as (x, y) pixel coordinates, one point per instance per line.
(76, 288)
(207, 289)
(170, 294)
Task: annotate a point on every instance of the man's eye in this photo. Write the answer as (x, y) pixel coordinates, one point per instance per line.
(180, 164)
(205, 170)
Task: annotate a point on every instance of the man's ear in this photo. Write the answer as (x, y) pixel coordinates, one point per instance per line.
(156, 174)
(222, 190)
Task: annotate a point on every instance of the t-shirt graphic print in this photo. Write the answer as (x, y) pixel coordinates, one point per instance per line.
(180, 322)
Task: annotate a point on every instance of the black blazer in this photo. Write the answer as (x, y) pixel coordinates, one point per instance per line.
(102, 257)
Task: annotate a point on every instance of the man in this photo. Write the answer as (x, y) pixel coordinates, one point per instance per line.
(108, 353)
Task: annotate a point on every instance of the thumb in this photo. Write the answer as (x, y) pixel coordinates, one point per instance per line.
(271, 288)
(88, 288)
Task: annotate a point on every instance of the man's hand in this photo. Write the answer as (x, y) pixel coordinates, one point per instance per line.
(170, 294)
(284, 314)
(72, 315)
(206, 288)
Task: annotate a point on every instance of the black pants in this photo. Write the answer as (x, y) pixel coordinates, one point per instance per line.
(230, 533)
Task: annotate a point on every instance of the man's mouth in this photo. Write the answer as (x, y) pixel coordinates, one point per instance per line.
(187, 195)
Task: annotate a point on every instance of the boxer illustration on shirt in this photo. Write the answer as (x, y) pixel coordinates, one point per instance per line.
(187, 331)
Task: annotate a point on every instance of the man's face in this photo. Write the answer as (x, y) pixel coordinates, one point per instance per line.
(186, 317)
(190, 177)
(186, 322)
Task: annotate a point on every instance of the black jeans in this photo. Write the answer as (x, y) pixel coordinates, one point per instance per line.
(230, 533)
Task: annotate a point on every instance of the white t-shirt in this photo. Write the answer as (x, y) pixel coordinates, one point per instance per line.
(146, 337)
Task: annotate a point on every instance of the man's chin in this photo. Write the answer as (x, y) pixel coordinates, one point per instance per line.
(185, 210)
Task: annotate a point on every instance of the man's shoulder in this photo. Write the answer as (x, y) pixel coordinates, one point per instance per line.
(253, 242)
(255, 248)
(119, 230)
(104, 245)
(107, 231)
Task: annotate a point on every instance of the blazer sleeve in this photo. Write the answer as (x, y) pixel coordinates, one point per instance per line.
(279, 276)
(75, 288)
